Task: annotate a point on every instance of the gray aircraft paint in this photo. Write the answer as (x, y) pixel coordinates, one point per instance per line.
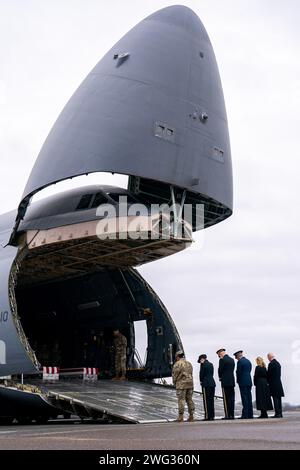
(13, 355)
(152, 107)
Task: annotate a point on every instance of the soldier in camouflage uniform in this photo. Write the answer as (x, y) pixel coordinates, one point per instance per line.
(182, 375)
(120, 343)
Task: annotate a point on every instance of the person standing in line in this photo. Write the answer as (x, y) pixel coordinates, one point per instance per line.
(226, 376)
(208, 387)
(243, 378)
(274, 380)
(120, 344)
(182, 375)
(262, 390)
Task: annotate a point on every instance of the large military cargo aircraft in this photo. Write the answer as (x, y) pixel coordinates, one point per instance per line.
(151, 109)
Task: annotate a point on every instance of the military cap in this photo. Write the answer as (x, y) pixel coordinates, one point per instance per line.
(202, 356)
(179, 353)
(220, 350)
(238, 352)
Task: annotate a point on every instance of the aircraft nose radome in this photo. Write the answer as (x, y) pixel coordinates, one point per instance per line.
(158, 113)
(178, 15)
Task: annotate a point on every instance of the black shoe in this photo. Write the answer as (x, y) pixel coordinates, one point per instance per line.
(277, 416)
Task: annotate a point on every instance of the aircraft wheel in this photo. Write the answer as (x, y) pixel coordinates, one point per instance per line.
(5, 420)
(42, 419)
(24, 419)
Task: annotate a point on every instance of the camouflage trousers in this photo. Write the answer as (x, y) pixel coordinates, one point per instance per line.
(185, 395)
(120, 364)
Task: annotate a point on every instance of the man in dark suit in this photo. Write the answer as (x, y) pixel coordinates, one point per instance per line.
(243, 378)
(226, 376)
(208, 387)
(274, 380)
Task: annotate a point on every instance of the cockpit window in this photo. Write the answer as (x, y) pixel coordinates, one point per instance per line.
(116, 196)
(89, 201)
(99, 199)
(84, 202)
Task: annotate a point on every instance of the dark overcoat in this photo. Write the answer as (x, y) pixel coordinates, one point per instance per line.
(274, 379)
(262, 390)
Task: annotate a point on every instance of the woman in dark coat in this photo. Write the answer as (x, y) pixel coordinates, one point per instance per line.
(263, 397)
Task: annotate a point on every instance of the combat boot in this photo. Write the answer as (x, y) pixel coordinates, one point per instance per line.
(179, 419)
(191, 418)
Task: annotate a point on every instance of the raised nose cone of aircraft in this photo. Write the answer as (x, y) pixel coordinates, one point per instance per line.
(180, 16)
(152, 109)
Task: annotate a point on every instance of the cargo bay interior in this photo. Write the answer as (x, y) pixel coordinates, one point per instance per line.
(69, 322)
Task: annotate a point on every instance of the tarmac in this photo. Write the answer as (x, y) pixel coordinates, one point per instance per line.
(256, 434)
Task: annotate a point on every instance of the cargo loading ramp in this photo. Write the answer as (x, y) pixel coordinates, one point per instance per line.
(128, 401)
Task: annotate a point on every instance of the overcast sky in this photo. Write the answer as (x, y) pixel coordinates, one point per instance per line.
(240, 290)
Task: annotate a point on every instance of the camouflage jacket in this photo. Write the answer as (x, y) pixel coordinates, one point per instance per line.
(120, 344)
(182, 375)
